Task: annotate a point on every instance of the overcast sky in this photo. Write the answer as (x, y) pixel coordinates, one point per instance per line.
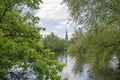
(54, 17)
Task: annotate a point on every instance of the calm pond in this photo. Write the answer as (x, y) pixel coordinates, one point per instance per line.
(69, 72)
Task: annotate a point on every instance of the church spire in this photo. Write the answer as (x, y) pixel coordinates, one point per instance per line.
(66, 36)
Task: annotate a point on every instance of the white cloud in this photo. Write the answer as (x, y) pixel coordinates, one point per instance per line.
(60, 30)
(62, 36)
(58, 14)
(59, 27)
(64, 23)
(69, 23)
(45, 33)
(53, 9)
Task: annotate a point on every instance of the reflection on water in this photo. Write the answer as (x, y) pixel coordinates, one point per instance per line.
(68, 69)
(84, 73)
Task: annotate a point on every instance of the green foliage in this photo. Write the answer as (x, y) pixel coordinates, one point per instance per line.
(20, 40)
(96, 49)
(94, 11)
(55, 43)
(98, 40)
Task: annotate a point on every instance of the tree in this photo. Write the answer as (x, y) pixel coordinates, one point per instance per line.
(100, 38)
(55, 44)
(20, 40)
(94, 11)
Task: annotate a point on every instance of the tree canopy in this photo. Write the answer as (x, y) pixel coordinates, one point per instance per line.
(20, 40)
(98, 39)
(55, 44)
(94, 11)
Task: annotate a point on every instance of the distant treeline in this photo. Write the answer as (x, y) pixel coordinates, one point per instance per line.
(55, 44)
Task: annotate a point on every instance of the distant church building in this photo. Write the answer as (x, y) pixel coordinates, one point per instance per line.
(66, 36)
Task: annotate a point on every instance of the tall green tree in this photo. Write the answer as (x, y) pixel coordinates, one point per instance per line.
(100, 38)
(20, 40)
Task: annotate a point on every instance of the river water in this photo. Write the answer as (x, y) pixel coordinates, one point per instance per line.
(68, 70)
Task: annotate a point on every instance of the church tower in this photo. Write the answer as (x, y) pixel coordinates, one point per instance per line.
(66, 36)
